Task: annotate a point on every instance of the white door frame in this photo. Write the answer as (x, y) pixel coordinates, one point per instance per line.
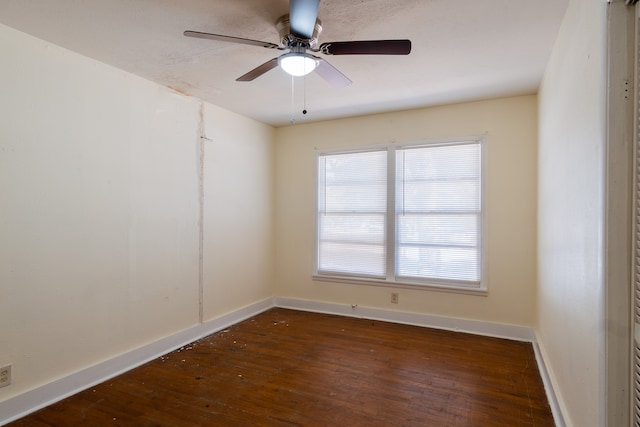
(620, 215)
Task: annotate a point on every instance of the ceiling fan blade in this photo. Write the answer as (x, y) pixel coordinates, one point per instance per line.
(231, 39)
(258, 71)
(331, 74)
(367, 47)
(302, 17)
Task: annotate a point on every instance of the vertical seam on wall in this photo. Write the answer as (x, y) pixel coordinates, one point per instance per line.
(201, 138)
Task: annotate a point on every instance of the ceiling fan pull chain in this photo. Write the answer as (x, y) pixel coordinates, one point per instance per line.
(293, 119)
(304, 95)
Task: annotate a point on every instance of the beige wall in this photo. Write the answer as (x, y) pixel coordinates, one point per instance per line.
(570, 212)
(238, 223)
(100, 211)
(511, 126)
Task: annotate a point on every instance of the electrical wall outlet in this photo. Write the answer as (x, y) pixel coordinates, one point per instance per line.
(5, 376)
(394, 298)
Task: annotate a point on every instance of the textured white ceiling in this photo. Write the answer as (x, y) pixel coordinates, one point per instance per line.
(462, 49)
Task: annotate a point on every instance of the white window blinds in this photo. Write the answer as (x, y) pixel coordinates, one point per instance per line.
(409, 214)
(352, 203)
(438, 216)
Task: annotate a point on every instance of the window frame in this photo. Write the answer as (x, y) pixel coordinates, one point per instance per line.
(391, 280)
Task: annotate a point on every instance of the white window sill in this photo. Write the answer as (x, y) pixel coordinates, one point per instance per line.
(457, 289)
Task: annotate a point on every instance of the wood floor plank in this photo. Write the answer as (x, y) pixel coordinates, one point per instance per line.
(287, 368)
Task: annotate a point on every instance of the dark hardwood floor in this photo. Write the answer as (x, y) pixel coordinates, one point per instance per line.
(293, 368)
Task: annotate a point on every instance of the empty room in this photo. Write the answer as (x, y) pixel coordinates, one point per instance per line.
(315, 213)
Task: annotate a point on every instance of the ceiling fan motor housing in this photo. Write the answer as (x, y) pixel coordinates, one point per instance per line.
(291, 40)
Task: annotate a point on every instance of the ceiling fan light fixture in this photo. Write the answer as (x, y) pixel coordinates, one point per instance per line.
(298, 64)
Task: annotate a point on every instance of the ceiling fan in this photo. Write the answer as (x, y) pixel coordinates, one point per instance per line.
(299, 31)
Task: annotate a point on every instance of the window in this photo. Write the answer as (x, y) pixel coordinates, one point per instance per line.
(410, 215)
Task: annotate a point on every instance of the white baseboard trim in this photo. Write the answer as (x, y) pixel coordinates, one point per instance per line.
(30, 401)
(498, 330)
(548, 385)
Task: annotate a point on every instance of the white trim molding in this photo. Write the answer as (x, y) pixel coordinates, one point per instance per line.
(548, 382)
(498, 330)
(617, 354)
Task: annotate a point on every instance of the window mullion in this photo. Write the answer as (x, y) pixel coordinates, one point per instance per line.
(391, 214)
